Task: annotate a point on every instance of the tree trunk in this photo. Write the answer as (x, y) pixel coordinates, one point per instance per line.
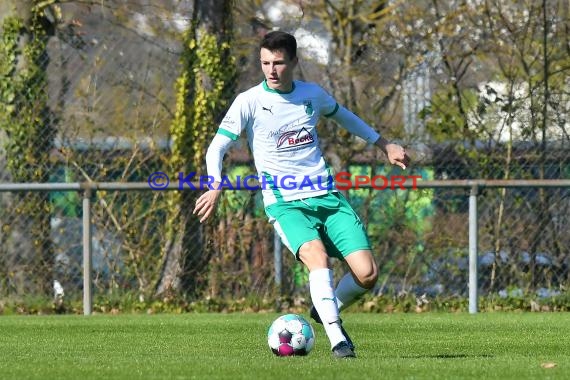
(204, 91)
(28, 124)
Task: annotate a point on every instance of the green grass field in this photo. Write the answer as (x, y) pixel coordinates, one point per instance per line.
(233, 346)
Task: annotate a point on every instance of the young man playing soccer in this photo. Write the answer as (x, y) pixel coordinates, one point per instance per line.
(315, 222)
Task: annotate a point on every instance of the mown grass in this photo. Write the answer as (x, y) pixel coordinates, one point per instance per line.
(233, 346)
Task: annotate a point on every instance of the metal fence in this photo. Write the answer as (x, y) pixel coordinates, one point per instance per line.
(435, 239)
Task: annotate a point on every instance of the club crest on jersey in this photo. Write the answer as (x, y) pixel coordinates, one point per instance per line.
(308, 107)
(293, 139)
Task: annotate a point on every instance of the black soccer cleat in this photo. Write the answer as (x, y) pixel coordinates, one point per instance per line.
(342, 351)
(316, 317)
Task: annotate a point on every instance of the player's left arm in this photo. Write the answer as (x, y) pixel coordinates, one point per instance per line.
(396, 154)
(355, 125)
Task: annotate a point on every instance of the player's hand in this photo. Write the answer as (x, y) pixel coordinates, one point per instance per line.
(397, 155)
(206, 204)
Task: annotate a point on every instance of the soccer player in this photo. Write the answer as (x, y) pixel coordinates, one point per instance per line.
(314, 220)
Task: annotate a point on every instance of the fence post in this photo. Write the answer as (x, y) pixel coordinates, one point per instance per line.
(87, 253)
(473, 231)
(278, 260)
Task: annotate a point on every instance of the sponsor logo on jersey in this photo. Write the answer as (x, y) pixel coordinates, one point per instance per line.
(228, 122)
(293, 139)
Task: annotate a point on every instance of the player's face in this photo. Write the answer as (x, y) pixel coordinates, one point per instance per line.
(278, 69)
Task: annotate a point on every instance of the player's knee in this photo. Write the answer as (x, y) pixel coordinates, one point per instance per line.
(368, 279)
(313, 255)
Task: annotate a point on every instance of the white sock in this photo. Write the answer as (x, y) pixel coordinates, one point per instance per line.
(348, 291)
(322, 295)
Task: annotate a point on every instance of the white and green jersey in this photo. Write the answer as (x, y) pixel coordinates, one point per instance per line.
(282, 136)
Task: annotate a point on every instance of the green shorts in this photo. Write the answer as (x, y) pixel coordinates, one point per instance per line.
(327, 217)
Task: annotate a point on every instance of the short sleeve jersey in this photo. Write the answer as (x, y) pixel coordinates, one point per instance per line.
(282, 136)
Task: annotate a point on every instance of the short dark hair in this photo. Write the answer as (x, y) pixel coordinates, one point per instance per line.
(277, 40)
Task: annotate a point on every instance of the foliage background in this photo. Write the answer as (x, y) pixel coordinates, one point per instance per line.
(114, 91)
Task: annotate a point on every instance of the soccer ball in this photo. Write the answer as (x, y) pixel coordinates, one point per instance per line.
(291, 334)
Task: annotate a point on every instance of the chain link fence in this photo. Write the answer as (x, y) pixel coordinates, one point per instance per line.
(103, 104)
(423, 251)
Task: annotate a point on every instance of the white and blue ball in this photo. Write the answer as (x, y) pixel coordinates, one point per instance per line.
(290, 335)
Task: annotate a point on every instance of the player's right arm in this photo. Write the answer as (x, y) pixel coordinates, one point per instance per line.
(227, 134)
(206, 203)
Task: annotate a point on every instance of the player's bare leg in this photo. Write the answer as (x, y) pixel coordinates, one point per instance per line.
(362, 278)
